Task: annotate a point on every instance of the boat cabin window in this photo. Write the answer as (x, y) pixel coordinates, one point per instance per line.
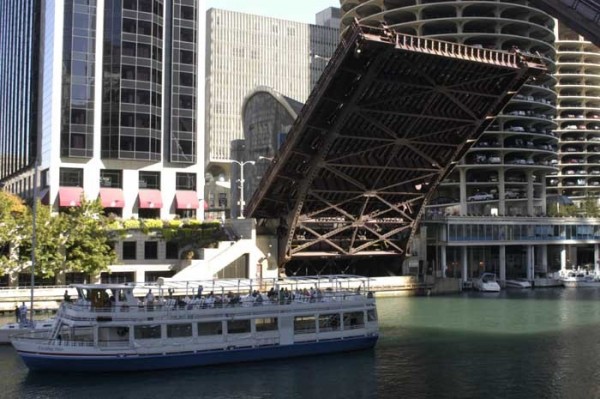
(238, 326)
(100, 298)
(210, 328)
(266, 324)
(371, 315)
(304, 324)
(354, 320)
(179, 330)
(147, 331)
(329, 322)
(113, 333)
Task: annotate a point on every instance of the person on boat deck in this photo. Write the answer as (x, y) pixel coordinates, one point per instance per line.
(200, 288)
(17, 313)
(66, 296)
(23, 312)
(149, 297)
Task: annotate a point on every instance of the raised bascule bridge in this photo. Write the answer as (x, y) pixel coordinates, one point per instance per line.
(390, 117)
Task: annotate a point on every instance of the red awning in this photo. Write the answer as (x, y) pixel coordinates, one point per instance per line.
(150, 199)
(112, 198)
(186, 200)
(69, 196)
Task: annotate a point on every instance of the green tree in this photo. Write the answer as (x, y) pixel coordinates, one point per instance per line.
(74, 241)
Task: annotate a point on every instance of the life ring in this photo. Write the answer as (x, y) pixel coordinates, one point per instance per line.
(122, 331)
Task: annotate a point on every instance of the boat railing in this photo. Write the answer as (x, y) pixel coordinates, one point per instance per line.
(178, 308)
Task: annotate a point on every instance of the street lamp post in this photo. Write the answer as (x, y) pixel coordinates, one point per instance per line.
(242, 183)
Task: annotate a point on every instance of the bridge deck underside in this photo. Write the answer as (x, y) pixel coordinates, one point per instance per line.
(583, 16)
(389, 118)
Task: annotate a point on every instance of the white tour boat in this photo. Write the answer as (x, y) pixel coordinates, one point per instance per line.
(109, 329)
(486, 283)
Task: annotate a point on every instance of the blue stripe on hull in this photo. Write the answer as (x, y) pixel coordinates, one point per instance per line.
(157, 362)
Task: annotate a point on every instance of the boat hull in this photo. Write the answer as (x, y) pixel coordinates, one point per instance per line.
(77, 363)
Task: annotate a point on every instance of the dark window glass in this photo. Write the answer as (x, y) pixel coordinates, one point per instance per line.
(186, 124)
(147, 332)
(127, 119)
(151, 250)
(187, 12)
(71, 177)
(143, 50)
(238, 326)
(210, 328)
(144, 28)
(179, 330)
(172, 250)
(186, 79)
(126, 143)
(186, 102)
(145, 5)
(128, 49)
(142, 144)
(149, 180)
(129, 25)
(130, 4)
(185, 181)
(79, 92)
(143, 74)
(128, 96)
(78, 116)
(142, 120)
(110, 178)
(223, 200)
(187, 57)
(77, 278)
(143, 97)
(129, 250)
(187, 35)
(128, 72)
(78, 141)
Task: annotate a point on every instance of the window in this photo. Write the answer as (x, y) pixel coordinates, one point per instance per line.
(110, 178)
(186, 79)
(187, 57)
(149, 180)
(187, 35)
(71, 177)
(210, 328)
(117, 278)
(185, 181)
(143, 74)
(329, 322)
(151, 250)
(187, 12)
(354, 320)
(147, 332)
(186, 102)
(238, 326)
(179, 330)
(304, 324)
(172, 250)
(267, 324)
(76, 278)
(129, 250)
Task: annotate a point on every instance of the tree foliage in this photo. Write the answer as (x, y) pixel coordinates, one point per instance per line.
(74, 241)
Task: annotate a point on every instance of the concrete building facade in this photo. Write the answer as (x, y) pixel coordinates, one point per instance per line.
(243, 52)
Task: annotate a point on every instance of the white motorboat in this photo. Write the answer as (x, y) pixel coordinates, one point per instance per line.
(580, 279)
(517, 283)
(108, 329)
(486, 283)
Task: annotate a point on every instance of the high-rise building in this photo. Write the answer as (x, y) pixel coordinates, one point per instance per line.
(578, 119)
(115, 85)
(19, 59)
(244, 52)
(497, 195)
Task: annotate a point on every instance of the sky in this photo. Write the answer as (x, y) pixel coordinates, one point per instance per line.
(294, 10)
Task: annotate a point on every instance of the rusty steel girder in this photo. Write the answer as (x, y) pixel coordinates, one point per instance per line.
(388, 120)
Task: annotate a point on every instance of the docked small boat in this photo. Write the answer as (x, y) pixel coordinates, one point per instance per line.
(578, 280)
(518, 283)
(486, 283)
(109, 329)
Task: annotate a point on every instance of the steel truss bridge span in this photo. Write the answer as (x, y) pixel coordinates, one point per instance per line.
(388, 120)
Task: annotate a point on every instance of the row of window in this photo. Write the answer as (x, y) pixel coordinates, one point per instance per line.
(73, 177)
(302, 325)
